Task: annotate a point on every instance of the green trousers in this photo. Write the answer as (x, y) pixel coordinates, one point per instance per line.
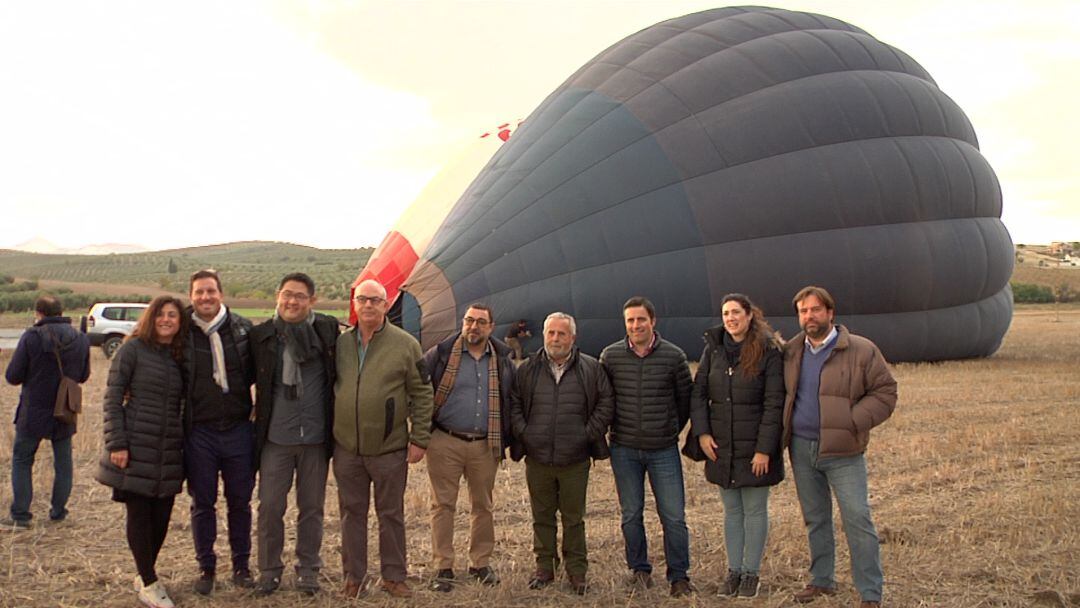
(559, 490)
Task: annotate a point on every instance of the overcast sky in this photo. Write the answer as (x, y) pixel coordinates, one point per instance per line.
(169, 124)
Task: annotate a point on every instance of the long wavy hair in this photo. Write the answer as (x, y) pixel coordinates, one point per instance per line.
(146, 330)
(760, 336)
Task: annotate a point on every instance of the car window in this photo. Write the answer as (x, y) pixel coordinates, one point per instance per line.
(113, 314)
(133, 314)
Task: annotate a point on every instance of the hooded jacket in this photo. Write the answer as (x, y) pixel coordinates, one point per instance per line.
(33, 365)
(144, 415)
(741, 414)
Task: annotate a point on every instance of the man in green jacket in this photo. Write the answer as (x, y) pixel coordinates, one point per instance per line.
(382, 421)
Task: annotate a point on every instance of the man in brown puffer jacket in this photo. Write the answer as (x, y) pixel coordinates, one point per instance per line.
(838, 388)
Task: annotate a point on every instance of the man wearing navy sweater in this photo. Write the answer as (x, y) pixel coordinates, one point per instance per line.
(838, 388)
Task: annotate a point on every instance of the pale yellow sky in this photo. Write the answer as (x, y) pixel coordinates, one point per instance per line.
(170, 124)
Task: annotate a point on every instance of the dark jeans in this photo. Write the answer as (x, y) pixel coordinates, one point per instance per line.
(22, 472)
(147, 526)
(559, 490)
(664, 469)
(232, 453)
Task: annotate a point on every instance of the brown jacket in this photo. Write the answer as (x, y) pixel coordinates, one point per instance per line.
(857, 392)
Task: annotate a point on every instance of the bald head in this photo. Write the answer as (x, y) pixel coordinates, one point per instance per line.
(369, 303)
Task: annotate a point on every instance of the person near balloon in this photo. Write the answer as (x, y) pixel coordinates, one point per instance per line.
(735, 415)
(382, 423)
(472, 376)
(144, 434)
(651, 380)
(515, 337)
(838, 388)
(560, 411)
(293, 355)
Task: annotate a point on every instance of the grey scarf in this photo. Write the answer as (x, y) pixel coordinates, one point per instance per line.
(301, 346)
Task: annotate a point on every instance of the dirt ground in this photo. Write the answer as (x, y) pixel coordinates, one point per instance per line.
(974, 488)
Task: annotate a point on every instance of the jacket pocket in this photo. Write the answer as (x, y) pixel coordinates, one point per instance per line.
(389, 418)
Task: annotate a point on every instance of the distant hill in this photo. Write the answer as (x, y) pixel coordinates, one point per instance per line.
(42, 245)
(249, 269)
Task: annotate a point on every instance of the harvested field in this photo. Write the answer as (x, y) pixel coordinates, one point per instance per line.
(974, 486)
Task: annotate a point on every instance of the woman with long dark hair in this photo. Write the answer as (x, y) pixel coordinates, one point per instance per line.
(143, 462)
(736, 410)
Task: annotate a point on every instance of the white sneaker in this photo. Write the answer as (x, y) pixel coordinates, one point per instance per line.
(155, 596)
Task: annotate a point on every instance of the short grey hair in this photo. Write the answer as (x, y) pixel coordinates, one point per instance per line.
(565, 317)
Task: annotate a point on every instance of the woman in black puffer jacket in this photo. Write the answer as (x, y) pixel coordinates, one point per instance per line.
(144, 436)
(736, 409)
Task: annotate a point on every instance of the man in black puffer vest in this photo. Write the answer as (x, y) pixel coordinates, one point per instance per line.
(652, 404)
(218, 433)
(560, 411)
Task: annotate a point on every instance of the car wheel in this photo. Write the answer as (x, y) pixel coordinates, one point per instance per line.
(110, 345)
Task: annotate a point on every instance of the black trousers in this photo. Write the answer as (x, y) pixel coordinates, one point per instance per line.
(147, 525)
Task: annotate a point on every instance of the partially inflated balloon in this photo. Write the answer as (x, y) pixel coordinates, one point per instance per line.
(739, 149)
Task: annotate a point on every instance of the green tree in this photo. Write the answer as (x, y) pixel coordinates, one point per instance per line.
(172, 266)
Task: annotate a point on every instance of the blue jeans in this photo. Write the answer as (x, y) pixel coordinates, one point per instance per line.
(232, 453)
(22, 473)
(665, 476)
(846, 477)
(746, 526)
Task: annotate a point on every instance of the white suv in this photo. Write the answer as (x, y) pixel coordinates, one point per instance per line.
(107, 324)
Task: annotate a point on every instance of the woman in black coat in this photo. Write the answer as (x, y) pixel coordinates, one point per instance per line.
(736, 410)
(143, 462)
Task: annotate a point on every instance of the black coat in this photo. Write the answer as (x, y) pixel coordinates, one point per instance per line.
(144, 415)
(239, 328)
(33, 365)
(436, 358)
(561, 424)
(652, 394)
(266, 358)
(743, 415)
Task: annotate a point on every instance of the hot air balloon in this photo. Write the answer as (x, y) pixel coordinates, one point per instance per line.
(737, 149)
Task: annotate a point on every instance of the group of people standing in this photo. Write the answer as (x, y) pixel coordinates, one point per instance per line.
(179, 406)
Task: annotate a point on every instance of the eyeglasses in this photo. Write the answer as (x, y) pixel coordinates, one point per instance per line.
(476, 322)
(295, 295)
(375, 300)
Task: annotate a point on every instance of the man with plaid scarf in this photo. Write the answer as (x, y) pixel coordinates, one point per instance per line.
(472, 376)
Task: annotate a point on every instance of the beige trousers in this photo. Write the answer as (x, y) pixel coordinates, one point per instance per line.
(448, 460)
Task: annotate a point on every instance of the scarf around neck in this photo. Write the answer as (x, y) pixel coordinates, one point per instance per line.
(494, 434)
(217, 351)
(301, 346)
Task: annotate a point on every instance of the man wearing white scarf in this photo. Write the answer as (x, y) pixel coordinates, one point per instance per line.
(219, 437)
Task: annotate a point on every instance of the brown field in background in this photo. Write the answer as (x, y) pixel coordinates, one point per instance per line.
(973, 486)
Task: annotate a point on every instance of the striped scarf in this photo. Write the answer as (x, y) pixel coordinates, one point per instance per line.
(494, 434)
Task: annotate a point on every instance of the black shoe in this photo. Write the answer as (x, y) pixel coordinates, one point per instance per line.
(444, 581)
(748, 585)
(242, 578)
(267, 585)
(730, 585)
(8, 523)
(308, 583)
(205, 584)
(484, 575)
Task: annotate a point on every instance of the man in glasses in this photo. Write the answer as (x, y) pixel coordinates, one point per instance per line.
(294, 407)
(473, 376)
(382, 424)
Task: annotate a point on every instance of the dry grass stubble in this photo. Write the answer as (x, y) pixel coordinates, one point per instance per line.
(973, 486)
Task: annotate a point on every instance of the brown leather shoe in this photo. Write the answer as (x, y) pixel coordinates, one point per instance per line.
(542, 578)
(578, 584)
(397, 589)
(641, 580)
(351, 590)
(681, 588)
(811, 593)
